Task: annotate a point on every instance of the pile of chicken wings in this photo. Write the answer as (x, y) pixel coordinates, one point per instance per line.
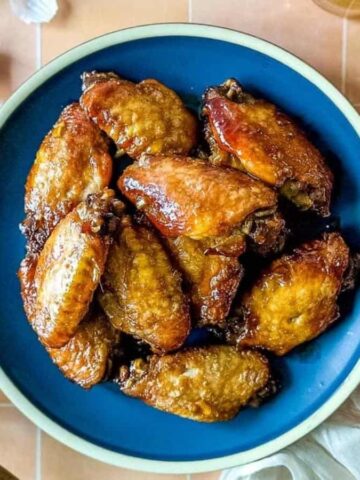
(149, 256)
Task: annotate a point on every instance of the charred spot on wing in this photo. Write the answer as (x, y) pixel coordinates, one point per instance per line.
(104, 212)
(89, 79)
(273, 386)
(230, 89)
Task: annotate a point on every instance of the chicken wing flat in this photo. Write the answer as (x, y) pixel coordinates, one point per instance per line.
(184, 196)
(294, 300)
(207, 384)
(254, 136)
(85, 359)
(141, 291)
(72, 162)
(59, 283)
(139, 117)
(212, 280)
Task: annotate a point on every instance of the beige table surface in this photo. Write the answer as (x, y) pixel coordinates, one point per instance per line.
(329, 43)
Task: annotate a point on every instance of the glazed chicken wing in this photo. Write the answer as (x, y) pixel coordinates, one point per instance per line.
(139, 117)
(294, 300)
(185, 196)
(207, 384)
(254, 136)
(68, 270)
(211, 279)
(85, 359)
(141, 291)
(72, 162)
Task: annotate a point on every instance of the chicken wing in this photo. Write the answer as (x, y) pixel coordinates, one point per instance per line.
(185, 196)
(254, 136)
(294, 300)
(86, 358)
(212, 280)
(207, 384)
(140, 117)
(59, 283)
(141, 291)
(73, 161)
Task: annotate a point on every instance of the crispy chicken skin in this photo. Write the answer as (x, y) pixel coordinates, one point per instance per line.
(254, 136)
(187, 196)
(86, 357)
(294, 300)
(26, 276)
(139, 117)
(141, 291)
(59, 283)
(72, 162)
(211, 279)
(207, 384)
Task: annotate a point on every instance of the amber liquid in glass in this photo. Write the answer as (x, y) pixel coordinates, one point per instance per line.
(343, 8)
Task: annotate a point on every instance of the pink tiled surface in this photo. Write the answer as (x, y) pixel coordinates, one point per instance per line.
(329, 43)
(60, 462)
(17, 58)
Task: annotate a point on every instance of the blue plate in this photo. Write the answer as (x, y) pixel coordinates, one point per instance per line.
(103, 423)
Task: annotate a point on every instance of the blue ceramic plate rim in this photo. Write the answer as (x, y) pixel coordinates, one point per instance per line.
(346, 387)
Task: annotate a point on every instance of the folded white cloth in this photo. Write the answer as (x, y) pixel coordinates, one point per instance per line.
(330, 452)
(34, 11)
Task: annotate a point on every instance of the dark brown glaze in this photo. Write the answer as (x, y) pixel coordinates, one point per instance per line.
(86, 357)
(144, 117)
(72, 162)
(59, 283)
(294, 299)
(211, 279)
(141, 291)
(187, 196)
(207, 384)
(254, 136)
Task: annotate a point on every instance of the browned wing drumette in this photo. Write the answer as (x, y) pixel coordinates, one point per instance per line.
(141, 291)
(59, 283)
(294, 299)
(72, 162)
(86, 358)
(211, 279)
(185, 196)
(254, 136)
(139, 117)
(206, 384)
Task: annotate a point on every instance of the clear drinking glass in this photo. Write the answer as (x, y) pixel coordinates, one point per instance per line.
(343, 8)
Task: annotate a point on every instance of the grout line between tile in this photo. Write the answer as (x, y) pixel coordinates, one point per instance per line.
(38, 52)
(6, 405)
(344, 46)
(38, 454)
(190, 10)
(188, 477)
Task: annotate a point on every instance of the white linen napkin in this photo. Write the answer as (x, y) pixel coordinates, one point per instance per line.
(330, 452)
